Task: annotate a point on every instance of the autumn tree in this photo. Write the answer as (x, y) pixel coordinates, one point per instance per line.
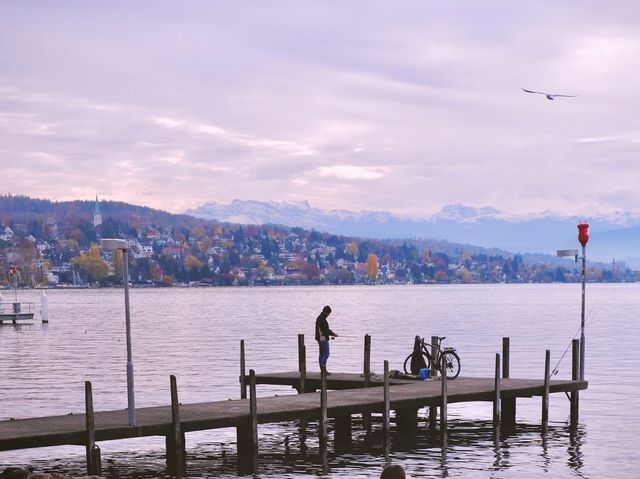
(352, 249)
(192, 262)
(26, 253)
(465, 275)
(91, 264)
(198, 232)
(372, 266)
(155, 271)
(118, 263)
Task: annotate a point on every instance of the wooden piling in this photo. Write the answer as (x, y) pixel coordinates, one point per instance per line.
(496, 396)
(243, 382)
(367, 360)
(433, 410)
(545, 395)
(505, 357)
(366, 417)
(433, 417)
(247, 433)
(94, 465)
(435, 356)
(443, 405)
(387, 402)
(575, 374)
(407, 423)
(507, 404)
(176, 454)
(302, 364)
(323, 408)
(342, 431)
(253, 414)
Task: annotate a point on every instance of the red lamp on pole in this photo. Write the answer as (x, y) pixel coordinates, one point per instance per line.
(583, 238)
(583, 234)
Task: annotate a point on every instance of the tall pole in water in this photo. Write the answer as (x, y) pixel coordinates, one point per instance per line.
(131, 401)
(583, 237)
(115, 244)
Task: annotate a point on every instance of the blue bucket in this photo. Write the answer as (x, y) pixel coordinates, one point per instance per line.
(425, 373)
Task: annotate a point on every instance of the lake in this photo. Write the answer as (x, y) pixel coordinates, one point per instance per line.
(195, 333)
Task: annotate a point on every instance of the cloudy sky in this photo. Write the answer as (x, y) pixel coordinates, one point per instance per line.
(402, 106)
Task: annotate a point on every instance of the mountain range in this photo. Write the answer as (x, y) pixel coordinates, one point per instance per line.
(616, 236)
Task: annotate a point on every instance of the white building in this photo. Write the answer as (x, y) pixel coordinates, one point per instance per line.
(6, 234)
(97, 216)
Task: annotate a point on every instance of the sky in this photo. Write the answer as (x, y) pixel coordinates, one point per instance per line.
(402, 106)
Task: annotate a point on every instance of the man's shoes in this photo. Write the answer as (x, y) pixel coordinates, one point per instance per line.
(327, 373)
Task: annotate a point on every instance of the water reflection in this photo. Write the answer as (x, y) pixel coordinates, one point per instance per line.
(575, 460)
(292, 449)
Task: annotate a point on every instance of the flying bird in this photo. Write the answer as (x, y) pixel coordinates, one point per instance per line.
(549, 95)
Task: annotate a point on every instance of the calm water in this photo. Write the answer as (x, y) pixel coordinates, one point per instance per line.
(195, 334)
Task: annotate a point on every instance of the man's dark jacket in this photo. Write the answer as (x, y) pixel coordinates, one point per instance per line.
(322, 328)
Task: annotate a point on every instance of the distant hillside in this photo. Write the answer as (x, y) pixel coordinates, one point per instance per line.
(24, 208)
(612, 237)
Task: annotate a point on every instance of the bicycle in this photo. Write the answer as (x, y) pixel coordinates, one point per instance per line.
(433, 360)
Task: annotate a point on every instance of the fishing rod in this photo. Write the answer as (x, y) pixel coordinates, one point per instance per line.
(555, 369)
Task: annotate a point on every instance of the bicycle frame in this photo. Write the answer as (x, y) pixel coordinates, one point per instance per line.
(434, 356)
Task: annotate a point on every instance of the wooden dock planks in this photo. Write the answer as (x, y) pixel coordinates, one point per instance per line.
(109, 425)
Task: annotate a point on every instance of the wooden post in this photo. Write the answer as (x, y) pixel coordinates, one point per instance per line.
(302, 364)
(176, 455)
(367, 360)
(243, 381)
(496, 396)
(407, 423)
(433, 417)
(323, 408)
(94, 466)
(443, 406)
(433, 410)
(366, 417)
(545, 395)
(434, 355)
(507, 404)
(342, 431)
(387, 401)
(505, 357)
(253, 413)
(575, 374)
(247, 433)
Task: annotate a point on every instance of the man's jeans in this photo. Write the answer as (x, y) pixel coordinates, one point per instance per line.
(324, 353)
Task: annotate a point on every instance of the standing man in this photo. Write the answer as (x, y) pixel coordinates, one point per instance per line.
(323, 333)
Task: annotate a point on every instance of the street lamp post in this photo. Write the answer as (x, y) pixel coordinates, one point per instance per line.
(583, 238)
(114, 244)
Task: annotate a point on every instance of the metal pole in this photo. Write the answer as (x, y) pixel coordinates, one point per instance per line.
(582, 318)
(131, 401)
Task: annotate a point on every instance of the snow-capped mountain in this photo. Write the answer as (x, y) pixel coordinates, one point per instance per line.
(616, 236)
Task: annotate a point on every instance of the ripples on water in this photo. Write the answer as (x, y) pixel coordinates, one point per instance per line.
(195, 334)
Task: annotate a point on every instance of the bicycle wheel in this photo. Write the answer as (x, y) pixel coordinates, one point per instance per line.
(452, 364)
(407, 363)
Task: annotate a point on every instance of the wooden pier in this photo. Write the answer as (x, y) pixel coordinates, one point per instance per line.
(15, 312)
(348, 396)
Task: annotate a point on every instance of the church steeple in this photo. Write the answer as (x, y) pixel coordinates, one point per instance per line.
(97, 216)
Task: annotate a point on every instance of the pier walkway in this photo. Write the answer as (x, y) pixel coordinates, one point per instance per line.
(157, 421)
(341, 395)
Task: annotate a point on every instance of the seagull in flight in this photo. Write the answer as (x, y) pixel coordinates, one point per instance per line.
(549, 95)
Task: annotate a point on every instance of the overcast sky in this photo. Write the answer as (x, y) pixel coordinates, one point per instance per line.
(402, 106)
